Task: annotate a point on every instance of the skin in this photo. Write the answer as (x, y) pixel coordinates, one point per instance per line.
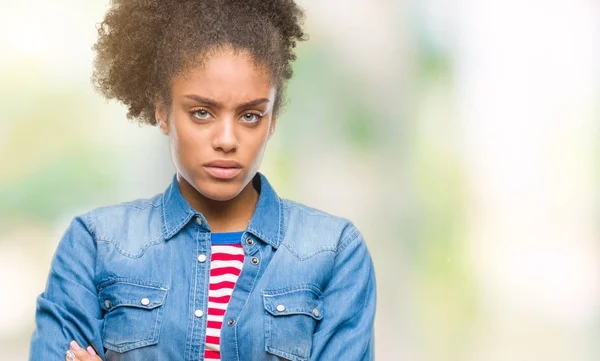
(82, 354)
(211, 118)
(200, 132)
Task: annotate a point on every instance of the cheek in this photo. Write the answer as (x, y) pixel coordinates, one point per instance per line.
(191, 145)
(259, 145)
(184, 141)
(256, 141)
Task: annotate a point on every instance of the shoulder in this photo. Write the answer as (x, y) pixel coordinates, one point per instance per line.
(138, 219)
(309, 231)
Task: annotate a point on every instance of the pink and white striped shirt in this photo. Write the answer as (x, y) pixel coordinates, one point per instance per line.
(225, 266)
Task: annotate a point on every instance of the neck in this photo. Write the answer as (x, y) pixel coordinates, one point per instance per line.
(223, 216)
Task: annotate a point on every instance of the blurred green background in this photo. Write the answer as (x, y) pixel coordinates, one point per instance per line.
(460, 137)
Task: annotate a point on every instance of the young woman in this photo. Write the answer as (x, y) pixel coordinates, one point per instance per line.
(217, 267)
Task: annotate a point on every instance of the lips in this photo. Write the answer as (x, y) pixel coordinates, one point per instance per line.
(223, 169)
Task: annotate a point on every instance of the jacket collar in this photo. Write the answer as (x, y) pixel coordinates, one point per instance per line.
(266, 223)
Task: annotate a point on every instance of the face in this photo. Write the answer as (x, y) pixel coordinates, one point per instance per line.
(220, 119)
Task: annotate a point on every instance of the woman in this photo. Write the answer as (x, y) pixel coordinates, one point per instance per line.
(218, 267)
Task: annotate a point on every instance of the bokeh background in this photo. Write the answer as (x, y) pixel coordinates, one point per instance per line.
(459, 136)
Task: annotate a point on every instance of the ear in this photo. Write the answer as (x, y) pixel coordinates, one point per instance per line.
(272, 125)
(161, 115)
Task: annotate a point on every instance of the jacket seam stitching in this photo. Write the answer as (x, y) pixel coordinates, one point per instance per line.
(129, 205)
(142, 250)
(285, 291)
(353, 236)
(131, 281)
(305, 257)
(280, 223)
(306, 210)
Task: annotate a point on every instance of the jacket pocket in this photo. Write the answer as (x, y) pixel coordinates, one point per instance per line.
(290, 320)
(133, 315)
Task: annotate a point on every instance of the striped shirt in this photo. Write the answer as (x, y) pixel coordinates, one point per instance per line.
(225, 266)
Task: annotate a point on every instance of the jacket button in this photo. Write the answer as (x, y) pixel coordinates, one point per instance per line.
(198, 313)
(249, 241)
(202, 258)
(316, 312)
(145, 301)
(231, 322)
(254, 260)
(199, 221)
(107, 303)
(281, 308)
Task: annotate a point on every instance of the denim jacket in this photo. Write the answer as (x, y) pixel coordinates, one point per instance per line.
(128, 280)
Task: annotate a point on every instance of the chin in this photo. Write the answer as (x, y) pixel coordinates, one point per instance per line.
(221, 192)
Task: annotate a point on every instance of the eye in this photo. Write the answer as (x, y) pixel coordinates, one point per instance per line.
(251, 117)
(200, 114)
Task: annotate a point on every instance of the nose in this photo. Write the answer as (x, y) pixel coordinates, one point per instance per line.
(225, 138)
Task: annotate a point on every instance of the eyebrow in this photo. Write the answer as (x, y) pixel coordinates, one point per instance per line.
(214, 103)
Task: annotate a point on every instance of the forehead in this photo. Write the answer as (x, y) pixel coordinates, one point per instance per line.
(225, 74)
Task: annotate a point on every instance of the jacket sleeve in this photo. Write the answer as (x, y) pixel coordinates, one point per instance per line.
(346, 330)
(68, 309)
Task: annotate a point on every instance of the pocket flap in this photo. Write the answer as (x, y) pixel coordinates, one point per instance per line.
(305, 301)
(132, 295)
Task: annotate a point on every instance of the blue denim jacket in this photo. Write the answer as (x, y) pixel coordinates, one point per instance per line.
(112, 258)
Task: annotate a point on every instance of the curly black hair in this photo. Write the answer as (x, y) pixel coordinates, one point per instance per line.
(143, 44)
